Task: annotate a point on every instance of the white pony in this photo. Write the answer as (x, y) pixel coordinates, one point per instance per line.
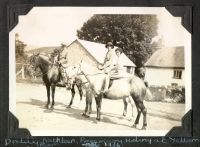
(120, 88)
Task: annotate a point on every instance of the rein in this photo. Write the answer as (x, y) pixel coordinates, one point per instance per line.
(42, 74)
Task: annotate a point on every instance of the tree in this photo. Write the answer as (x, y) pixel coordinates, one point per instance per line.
(19, 46)
(133, 33)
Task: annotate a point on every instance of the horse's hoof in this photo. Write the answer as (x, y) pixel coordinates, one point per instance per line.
(124, 114)
(130, 119)
(69, 106)
(85, 115)
(144, 128)
(135, 126)
(98, 119)
(51, 106)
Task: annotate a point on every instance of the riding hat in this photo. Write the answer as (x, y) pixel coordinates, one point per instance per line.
(119, 49)
(109, 44)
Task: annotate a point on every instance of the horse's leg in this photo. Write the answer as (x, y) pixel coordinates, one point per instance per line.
(79, 86)
(86, 108)
(137, 118)
(72, 98)
(89, 97)
(125, 106)
(130, 100)
(98, 105)
(48, 95)
(132, 106)
(90, 106)
(138, 113)
(144, 112)
(53, 87)
(141, 109)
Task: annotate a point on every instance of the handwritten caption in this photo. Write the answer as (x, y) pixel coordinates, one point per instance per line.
(97, 142)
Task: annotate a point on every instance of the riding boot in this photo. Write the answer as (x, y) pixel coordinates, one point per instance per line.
(61, 81)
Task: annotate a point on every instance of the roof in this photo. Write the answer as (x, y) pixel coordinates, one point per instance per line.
(172, 57)
(98, 51)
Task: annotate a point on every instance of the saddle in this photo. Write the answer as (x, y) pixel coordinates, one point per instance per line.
(117, 76)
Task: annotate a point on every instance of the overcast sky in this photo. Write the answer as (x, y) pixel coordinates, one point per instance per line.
(49, 26)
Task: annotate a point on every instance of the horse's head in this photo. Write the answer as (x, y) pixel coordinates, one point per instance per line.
(70, 73)
(34, 61)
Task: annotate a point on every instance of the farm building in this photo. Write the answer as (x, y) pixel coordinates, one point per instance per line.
(166, 67)
(92, 53)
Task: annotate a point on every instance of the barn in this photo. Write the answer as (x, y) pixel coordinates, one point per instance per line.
(92, 53)
(166, 67)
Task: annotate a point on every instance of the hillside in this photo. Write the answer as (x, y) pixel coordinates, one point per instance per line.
(46, 50)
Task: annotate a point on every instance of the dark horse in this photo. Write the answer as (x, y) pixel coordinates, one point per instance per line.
(51, 76)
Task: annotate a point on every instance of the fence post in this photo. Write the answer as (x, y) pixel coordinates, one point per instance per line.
(23, 76)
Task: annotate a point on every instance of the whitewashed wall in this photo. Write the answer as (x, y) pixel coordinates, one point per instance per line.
(163, 77)
(75, 53)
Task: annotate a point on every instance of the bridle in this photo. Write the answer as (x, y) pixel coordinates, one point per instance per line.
(35, 66)
(70, 80)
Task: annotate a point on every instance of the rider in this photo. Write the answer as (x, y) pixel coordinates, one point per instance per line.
(54, 56)
(119, 67)
(108, 65)
(62, 61)
(63, 56)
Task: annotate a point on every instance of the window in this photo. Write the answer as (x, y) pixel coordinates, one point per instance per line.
(177, 74)
(129, 69)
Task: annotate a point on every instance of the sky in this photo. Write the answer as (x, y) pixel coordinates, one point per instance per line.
(49, 26)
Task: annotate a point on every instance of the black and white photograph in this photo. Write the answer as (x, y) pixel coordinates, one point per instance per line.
(99, 71)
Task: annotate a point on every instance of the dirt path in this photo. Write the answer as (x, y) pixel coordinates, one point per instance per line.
(31, 113)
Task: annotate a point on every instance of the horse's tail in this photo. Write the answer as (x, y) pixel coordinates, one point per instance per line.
(148, 95)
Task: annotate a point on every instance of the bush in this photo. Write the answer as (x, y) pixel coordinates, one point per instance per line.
(170, 94)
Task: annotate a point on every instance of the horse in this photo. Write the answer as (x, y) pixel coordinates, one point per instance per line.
(50, 74)
(127, 86)
(71, 76)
